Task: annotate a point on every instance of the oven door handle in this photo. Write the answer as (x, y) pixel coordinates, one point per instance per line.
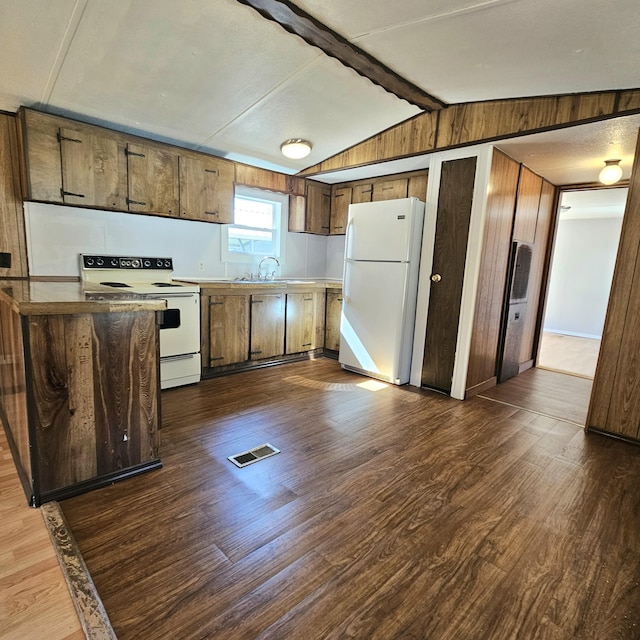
(185, 356)
(163, 296)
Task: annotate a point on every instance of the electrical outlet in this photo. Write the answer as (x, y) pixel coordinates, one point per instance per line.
(201, 265)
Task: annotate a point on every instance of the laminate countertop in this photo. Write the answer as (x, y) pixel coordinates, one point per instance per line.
(36, 298)
(287, 284)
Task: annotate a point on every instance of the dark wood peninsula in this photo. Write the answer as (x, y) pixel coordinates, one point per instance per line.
(79, 386)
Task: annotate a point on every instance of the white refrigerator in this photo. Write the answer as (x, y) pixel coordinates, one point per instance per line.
(381, 266)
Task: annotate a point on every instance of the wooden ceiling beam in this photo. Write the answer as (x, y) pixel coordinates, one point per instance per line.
(296, 21)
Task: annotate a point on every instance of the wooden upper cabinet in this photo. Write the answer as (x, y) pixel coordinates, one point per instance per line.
(390, 189)
(361, 193)
(91, 171)
(206, 189)
(340, 201)
(153, 179)
(318, 208)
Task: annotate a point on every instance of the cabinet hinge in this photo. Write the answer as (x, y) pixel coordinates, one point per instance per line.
(130, 201)
(61, 138)
(133, 153)
(64, 193)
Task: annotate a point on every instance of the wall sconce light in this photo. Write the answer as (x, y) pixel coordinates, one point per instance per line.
(296, 148)
(611, 173)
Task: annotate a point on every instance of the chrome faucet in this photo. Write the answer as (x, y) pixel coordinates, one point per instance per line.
(273, 273)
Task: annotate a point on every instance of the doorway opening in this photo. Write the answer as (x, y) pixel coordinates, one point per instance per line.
(581, 271)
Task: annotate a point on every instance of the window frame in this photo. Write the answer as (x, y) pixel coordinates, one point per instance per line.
(279, 229)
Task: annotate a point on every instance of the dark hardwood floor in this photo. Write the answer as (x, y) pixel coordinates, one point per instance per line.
(551, 393)
(390, 513)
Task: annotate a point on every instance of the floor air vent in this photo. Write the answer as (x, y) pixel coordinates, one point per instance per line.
(253, 455)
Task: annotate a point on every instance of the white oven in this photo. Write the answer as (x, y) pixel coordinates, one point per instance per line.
(180, 326)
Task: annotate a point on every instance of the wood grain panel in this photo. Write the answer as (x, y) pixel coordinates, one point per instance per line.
(272, 180)
(300, 322)
(361, 193)
(228, 329)
(527, 203)
(154, 179)
(390, 189)
(472, 123)
(340, 201)
(267, 326)
(206, 189)
(546, 212)
(318, 208)
(501, 199)
(613, 405)
(94, 402)
(417, 187)
(12, 230)
(91, 169)
(449, 257)
(332, 322)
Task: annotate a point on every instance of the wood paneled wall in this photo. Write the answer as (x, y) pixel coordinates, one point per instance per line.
(503, 185)
(472, 123)
(546, 211)
(12, 233)
(528, 201)
(615, 399)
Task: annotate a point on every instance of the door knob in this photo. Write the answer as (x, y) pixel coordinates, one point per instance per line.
(436, 277)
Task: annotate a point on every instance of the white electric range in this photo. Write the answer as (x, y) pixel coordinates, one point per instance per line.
(151, 277)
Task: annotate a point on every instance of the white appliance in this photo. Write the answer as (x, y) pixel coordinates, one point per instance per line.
(151, 277)
(382, 261)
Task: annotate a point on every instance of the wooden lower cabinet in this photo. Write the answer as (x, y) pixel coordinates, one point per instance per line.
(267, 326)
(228, 329)
(332, 322)
(304, 322)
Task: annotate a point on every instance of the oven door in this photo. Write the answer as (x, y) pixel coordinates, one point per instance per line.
(180, 328)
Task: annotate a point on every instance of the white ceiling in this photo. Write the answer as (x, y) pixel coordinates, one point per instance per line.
(215, 75)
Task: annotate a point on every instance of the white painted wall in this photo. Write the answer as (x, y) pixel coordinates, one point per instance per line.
(581, 273)
(56, 235)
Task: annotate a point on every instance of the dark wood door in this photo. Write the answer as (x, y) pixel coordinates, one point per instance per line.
(450, 249)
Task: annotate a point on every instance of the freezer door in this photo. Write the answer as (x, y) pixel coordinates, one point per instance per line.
(390, 230)
(373, 322)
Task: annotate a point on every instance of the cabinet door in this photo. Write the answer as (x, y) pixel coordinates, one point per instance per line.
(91, 175)
(332, 324)
(300, 328)
(153, 179)
(228, 330)
(340, 201)
(390, 189)
(318, 211)
(267, 326)
(206, 189)
(361, 193)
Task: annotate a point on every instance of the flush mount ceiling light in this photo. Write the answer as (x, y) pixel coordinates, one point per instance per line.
(296, 148)
(611, 173)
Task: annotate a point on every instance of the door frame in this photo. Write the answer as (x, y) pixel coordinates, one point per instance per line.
(483, 154)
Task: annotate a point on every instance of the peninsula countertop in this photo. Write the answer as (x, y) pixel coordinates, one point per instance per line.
(54, 297)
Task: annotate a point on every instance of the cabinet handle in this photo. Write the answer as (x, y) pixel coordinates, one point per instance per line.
(130, 201)
(211, 171)
(211, 213)
(323, 227)
(215, 359)
(64, 193)
(254, 353)
(212, 303)
(307, 299)
(61, 138)
(306, 344)
(133, 153)
(340, 227)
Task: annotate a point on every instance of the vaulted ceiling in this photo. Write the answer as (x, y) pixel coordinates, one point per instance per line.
(215, 75)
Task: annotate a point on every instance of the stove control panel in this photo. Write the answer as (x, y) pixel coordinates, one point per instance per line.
(124, 262)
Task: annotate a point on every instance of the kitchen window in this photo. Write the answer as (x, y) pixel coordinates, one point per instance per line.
(256, 232)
